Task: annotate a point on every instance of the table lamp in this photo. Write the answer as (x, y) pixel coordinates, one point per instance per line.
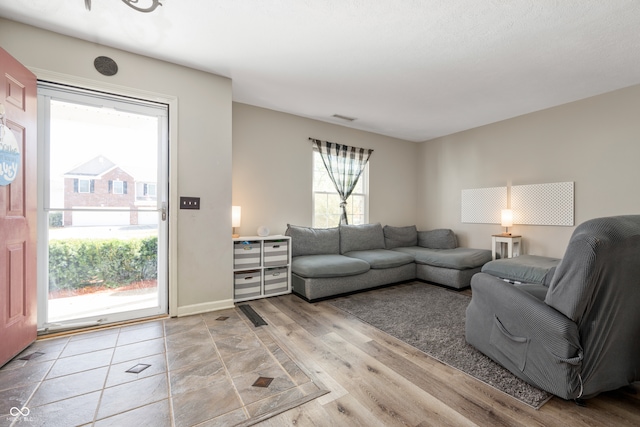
(507, 220)
(236, 213)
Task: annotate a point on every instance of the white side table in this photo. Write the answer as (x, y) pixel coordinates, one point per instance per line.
(513, 245)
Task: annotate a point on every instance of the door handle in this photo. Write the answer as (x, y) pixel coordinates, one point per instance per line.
(164, 211)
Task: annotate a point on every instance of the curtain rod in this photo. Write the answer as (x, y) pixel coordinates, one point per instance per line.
(316, 139)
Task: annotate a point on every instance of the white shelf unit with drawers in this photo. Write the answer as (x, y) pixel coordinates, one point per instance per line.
(261, 267)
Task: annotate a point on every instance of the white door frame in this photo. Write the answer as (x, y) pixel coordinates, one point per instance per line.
(172, 102)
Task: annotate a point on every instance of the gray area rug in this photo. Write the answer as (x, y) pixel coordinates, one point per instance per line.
(432, 319)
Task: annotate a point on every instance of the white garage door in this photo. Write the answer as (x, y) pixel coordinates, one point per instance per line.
(104, 218)
(147, 218)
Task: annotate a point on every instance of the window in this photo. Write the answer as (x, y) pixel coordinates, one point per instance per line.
(146, 191)
(150, 190)
(326, 201)
(84, 185)
(118, 187)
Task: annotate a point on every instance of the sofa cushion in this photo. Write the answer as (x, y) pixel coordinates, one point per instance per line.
(313, 241)
(395, 237)
(457, 259)
(362, 237)
(316, 266)
(442, 238)
(524, 269)
(382, 258)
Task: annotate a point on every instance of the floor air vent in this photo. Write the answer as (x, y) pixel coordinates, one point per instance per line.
(252, 315)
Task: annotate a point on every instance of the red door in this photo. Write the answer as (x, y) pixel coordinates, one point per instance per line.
(18, 315)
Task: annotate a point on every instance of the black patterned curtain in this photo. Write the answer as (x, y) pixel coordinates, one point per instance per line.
(344, 165)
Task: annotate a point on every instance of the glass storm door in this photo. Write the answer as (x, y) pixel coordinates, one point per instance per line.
(103, 215)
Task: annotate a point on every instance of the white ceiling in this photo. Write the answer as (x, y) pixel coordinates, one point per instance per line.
(410, 69)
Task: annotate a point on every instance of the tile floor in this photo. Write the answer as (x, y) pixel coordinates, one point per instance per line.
(197, 370)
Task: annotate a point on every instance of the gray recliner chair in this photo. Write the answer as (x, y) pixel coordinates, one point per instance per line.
(584, 337)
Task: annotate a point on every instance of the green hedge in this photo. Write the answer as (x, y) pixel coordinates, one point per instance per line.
(75, 263)
(55, 219)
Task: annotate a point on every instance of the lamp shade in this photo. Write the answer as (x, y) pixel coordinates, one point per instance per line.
(236, 214)
(507, 217)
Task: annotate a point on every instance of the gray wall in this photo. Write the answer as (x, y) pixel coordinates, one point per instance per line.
(594, 142)
(272, 164)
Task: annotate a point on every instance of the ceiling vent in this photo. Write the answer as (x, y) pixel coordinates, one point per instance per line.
(341, 117)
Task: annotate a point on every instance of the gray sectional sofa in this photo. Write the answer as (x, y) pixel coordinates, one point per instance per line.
(350, 258)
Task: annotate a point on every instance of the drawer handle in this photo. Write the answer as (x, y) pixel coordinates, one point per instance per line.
(276, 274)
(248, 278)
(276, 246)
(247, 248)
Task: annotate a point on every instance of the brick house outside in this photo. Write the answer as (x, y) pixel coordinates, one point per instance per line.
(99, 184)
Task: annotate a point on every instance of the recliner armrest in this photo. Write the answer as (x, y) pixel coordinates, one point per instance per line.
(523, 315)
(531, 339)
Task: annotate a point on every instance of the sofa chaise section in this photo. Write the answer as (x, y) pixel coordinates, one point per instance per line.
(437, 255)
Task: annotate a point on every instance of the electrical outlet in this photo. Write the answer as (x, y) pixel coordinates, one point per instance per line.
(189, 202)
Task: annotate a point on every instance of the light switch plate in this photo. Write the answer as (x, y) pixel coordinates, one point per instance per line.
(189, 202)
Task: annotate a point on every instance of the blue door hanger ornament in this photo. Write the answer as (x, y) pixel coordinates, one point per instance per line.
(9, 152)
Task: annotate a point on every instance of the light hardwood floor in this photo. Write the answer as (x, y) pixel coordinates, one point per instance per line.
(377, 380)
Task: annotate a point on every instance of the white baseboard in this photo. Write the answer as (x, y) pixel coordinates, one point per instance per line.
(205, 307)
